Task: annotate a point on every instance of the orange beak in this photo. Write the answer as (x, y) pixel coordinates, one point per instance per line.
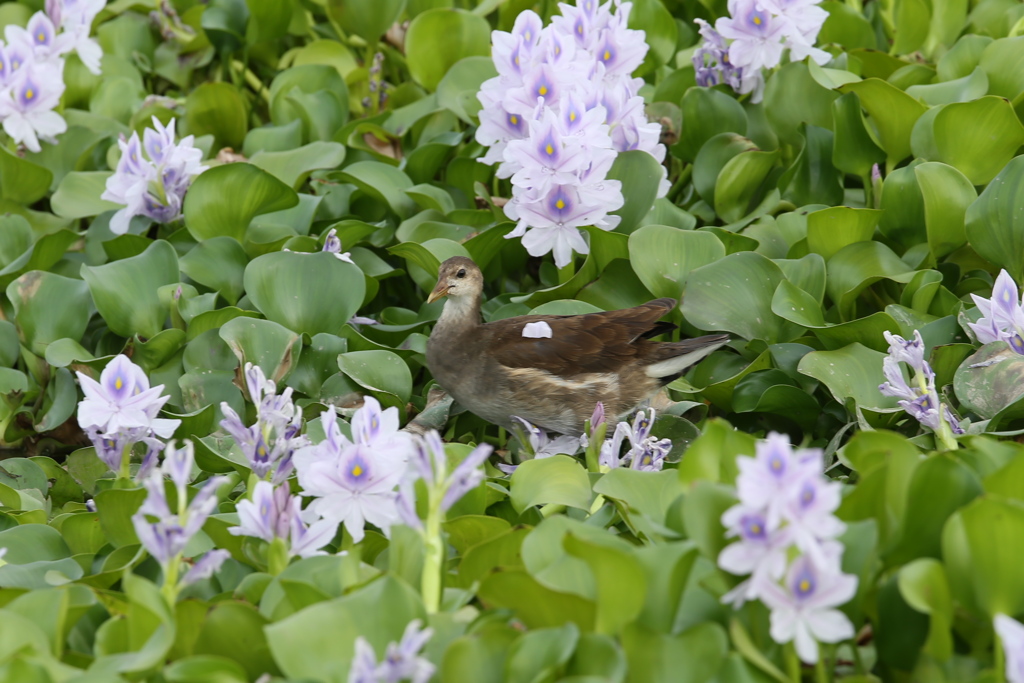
(440, 290)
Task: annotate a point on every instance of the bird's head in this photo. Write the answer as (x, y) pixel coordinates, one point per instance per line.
(459, 279)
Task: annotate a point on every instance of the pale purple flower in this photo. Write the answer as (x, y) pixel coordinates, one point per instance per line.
(920, 399)
(26, 107)
(645, 452)
(275, 513)
(543, 159)
(620, 50)
(810, 513)
(429, 462)
(153, 185)
(379, 429)
(165, 533)
(332, 245)
(352, 483)
(755, 34)
(804, 607)
(771, 478)
(41, 37)
(1011, 633)
(401, 661)
(759, 549)
(75, 18)
(1002, 315)
(801, 20)
(271, 442)
(711, 59)
(204, 567)
(555, 218)
(540, 445)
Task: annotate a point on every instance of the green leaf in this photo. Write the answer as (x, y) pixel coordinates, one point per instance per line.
(712, 158)
(663, 257)
(620, 579)
(314, 94)
(813, 179)
(533, 604)
(990, 379)
(993, 222)
(115, 508)
(382, 372)
(217, 109)
(235, 631)
(706, 113)
(292, 167)
(965, 89)
(854, 150)
(829, 230)
(902, 207)
(923, 584)
(78, 195)
(734, 294)
(22, 180)
(318, 642)
(693, 656)
(540, 652)
(457, 90)
(856, 267)
(48, 307)
(851, 372)
(737, 189)
(947, 193)
(367, 19)
(273, 347)
(223, 200)
(125, 291)
(893, 111)
(912, 19)
(218, 263)
(438, 38)
(978, 138)
(558, 479)
(307, 293)
(383, 182)
(793, 97)
(640, 174)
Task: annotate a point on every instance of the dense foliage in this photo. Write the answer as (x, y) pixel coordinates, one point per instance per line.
(220, 222)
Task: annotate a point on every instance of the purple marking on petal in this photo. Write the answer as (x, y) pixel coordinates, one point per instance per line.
(804, 582)
(357, 469)
(753, 527)
(28, 94)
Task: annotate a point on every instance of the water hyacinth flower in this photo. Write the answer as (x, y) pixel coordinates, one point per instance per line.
(274, 514)
(120, 411)
(561, 108)
(271, 442)
(74, 18)
(538, 444)
(786, 506)
(1011, 633)
(1002, 316)
(26, 106)
(152, 184)
(753, 38)
(645, 452)
(804, 607)
(920, 399)
(401, 662)
(353, 483)
(165, 533)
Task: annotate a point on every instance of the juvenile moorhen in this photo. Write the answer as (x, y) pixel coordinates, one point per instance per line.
(554, 376)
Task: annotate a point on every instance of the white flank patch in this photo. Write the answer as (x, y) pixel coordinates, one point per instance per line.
(537, 330)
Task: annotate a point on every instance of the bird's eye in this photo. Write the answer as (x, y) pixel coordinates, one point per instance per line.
(461, 273)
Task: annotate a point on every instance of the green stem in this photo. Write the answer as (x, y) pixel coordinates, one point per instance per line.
(170, 588)
(252, 80)
(126, 461)
(430, 583)
(792, 662)
(820, 670)
(857, 659)
(277, 557)
(945, 433)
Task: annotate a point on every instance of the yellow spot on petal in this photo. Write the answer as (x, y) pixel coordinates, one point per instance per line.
(607, 55)
(514, 119)
(756, 529)
(29, 94)
(550, 150)
(572, 116)
(805, 586)
(542, 90)
(356, 471)
(118, 383)
(757, 20)
(579, 29)
(560, 204)
(41, 37)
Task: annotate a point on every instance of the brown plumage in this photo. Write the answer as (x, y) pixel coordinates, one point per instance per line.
(553, 382)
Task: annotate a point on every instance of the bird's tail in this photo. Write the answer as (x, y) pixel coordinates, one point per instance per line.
(671, 359)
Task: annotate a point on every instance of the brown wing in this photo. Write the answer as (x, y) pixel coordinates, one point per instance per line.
(593, 342)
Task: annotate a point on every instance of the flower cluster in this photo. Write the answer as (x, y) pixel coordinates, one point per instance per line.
(920, 398)
(1002, 315)
(271, 442)
(786, 503)
(120, 411)
(165, 533)
(353, 481)
(402, 661)
(275, 516)
(32, 68)
(645, 452)
(562, 107)
(737, 49)
(154, 184)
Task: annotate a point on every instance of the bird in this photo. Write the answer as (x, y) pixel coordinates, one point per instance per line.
(553, 381)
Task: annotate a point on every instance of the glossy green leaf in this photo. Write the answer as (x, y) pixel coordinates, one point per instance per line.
(273, 347)
(893, 111)
(990, 379)
(924, 586)
(217, 109)
(640, 174)
(49, 307)
(365, 18)
(739, 182)
(829, 230)
(223, 200)
(381, 372)
(142, 312)
(851, 372)
(992, 221)
(947, 193)
(854, 151)
(558, 479)
(218, 263)
(439, 38)
(663, 257)
(706, 113)
(22, 180)
(308, 293)
(292, 167)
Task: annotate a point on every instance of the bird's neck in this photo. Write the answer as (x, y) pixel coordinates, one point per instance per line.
(460, 313)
